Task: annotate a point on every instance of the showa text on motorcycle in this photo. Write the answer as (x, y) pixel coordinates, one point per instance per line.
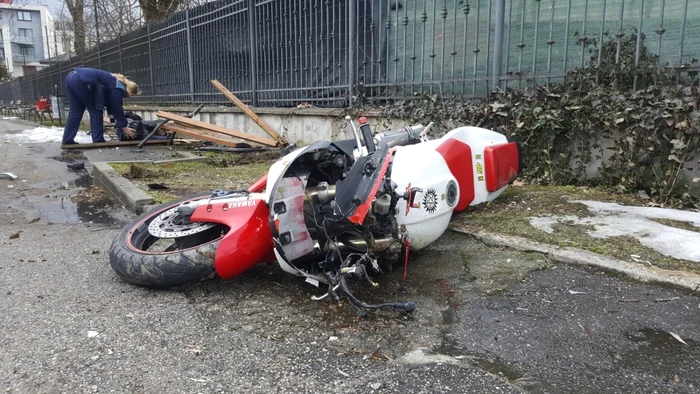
(326, 212)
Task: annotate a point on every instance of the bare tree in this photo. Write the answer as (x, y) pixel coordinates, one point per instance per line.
(154, 10)
(77, 12)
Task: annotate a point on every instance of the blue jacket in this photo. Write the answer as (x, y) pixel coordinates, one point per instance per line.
(109, 92)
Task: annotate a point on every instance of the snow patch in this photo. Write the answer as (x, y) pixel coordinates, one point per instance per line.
(45, 134)
(615, 220)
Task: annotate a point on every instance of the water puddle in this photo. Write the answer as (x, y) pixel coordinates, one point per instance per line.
(451, 347)
(657, 339)
(659, 351)
(76, 201)
(70, 156)
(64, 210)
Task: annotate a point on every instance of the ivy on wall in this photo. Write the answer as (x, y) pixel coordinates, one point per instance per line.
(645, 140)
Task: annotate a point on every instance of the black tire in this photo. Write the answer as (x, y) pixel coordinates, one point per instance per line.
(168, 268)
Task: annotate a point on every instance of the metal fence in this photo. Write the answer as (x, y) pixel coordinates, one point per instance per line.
(335, 52)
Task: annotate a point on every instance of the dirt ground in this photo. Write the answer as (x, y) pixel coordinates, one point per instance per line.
(225, 171)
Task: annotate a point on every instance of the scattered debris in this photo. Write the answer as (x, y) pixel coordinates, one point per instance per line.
(76, 166)
(193, 349)
(676, 379)
(576, 292)
(93, 334)
(15, 235)
(375, 386)
(8, 175)
(34, 220)
(347, 375)
(678, 338)
(157, 186)
(643, 195)
(198, 380)
(667, 299)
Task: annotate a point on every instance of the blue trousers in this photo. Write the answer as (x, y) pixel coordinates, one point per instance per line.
(82, 97)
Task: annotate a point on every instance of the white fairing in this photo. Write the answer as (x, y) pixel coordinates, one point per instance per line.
(424, 168)
(277, 170)
(477, 139)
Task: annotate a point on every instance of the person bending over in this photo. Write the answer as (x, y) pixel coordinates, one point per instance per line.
(96, 90)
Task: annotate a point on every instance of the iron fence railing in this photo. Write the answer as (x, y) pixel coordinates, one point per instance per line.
(335, 52)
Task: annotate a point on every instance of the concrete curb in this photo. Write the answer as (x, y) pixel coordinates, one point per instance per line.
(566, 255)
(122, 191)
(118, 188)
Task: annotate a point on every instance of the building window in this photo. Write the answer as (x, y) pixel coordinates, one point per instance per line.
(2, 55)
(27, 51)
(24, 16)
(25, 33)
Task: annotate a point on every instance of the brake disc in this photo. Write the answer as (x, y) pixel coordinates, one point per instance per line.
(170, 224)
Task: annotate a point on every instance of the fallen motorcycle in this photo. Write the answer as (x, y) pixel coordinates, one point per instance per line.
(324, 212)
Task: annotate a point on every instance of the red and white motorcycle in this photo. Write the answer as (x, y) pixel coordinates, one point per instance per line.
(324, 212)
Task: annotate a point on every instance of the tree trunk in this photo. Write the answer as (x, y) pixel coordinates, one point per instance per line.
(76, 9)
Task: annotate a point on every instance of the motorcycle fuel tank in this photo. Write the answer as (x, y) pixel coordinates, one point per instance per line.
(436, 193)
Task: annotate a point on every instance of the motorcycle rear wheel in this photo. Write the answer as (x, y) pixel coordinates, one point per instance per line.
(142, 259)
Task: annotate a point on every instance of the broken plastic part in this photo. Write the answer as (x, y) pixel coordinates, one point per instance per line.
(8, 175)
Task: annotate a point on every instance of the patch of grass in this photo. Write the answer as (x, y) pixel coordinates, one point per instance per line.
(228, 172)
(678, 224)
(511, 212)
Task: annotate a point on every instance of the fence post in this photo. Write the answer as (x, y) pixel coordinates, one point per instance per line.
(351, 50)
(150, 65)
(189, 53)
(97, 33)
(121, 58)
(253, 53)
(498, 44)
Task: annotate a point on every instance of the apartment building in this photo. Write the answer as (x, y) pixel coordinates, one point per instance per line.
(27, 37)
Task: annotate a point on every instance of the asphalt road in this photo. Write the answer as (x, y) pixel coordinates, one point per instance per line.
(487, 320)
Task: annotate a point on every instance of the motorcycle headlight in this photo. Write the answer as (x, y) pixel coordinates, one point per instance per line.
(451, 194)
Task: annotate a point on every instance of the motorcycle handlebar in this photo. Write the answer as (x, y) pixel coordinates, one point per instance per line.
(404, 136)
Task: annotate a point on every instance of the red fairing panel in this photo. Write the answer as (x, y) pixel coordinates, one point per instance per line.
(361, 211)
(259, 185)
(501, 165)
(248, 241)
(458, 156)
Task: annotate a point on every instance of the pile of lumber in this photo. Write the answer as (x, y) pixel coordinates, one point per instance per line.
(221, 135)
(185, 125)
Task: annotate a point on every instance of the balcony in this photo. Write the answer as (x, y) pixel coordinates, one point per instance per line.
(21, 40)
(18, 58)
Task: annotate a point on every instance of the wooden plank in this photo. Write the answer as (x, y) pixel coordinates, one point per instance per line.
(201, 135)
(112, 144)
(218, 129)
(252, 115)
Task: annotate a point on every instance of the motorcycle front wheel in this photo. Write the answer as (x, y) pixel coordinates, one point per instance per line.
(180, 253)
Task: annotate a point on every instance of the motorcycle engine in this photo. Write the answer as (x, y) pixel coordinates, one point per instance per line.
(331, 212)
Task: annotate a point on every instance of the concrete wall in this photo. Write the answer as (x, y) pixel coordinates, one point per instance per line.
(298, 126)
